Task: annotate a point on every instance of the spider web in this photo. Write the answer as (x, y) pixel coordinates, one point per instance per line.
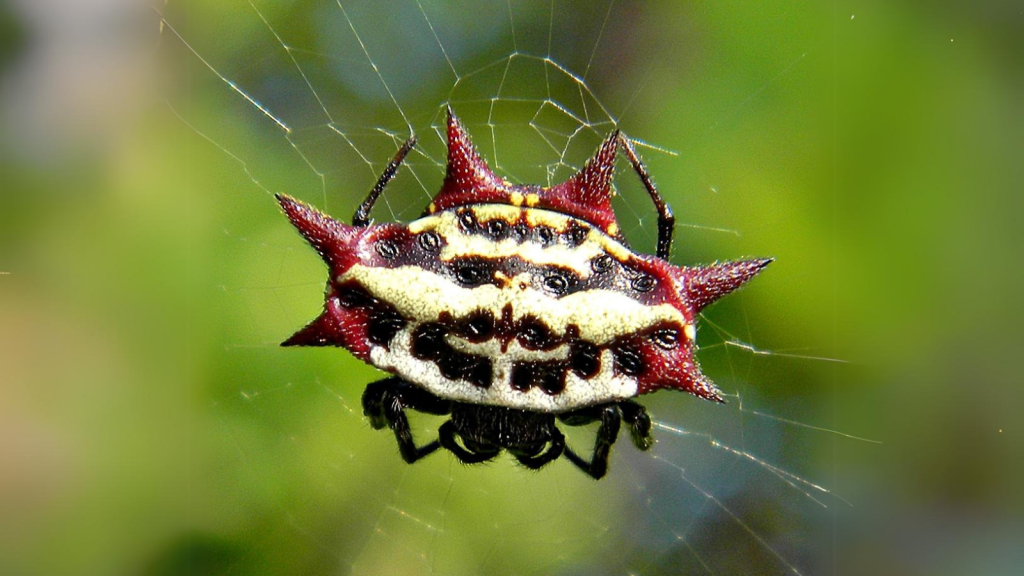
(312, 98)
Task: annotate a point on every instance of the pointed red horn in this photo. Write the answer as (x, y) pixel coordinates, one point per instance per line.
(464, 162)
(703, 387)
(588, 194)
(335, 326)
(333, 240)
(325, 330)
(707, 284)
(592, 185)
(468, 179)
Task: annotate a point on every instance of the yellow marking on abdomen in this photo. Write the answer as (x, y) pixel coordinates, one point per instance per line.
(460, 244)
(601, 315)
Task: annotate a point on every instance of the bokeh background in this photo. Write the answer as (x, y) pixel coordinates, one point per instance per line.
(150, 425)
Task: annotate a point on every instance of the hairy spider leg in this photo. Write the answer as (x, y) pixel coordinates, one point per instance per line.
(475, 454)
(538, 459)
(639, 422)
(384, 403)
(607, 433)
(361, 218)
(666, 220)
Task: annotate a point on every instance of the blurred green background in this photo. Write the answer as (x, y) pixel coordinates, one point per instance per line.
(150, 425)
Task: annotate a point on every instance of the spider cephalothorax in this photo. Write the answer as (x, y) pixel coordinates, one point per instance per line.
(510, 306)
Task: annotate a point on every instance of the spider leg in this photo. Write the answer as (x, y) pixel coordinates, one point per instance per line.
(538, 461)
(639, 424)
(362, 215)
(666, 220)
(607, 433)
(384, 403)
(447, 436)
(583, 416)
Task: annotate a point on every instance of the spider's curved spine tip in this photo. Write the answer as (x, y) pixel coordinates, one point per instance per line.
(286, 202)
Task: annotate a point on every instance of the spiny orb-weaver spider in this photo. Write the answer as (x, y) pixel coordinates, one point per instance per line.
(509, 307)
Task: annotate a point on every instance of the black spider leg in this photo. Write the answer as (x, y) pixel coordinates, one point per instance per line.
(639, 424)
(362, 215)
(538, 459)
(610, 419)
(666, 220)
(384, 403)
(448, 437)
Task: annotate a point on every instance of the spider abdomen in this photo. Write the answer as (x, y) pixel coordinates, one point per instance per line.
(514, 306)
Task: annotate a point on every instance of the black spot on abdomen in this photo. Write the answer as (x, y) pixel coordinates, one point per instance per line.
(477, 327)
(628, 360)
(522, 376)
(428, 343)
(585, 359)
(478, 371)
(548, 376)
(552, 378)
(385, 324)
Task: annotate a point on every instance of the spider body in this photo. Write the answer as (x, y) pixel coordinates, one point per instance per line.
(511, 307)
